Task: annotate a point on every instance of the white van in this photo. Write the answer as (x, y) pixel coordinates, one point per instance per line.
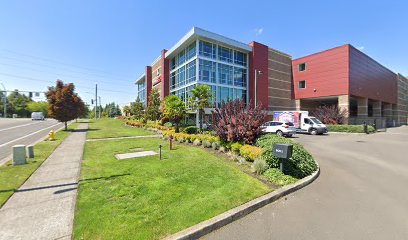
(37, 116)
(302, 121)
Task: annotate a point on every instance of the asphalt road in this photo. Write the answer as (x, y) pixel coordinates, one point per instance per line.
(361, 193)
(22, 131)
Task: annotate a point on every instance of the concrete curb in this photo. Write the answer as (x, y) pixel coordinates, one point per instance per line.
(229, 216)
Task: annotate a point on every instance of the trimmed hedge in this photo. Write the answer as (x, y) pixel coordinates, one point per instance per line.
(191, 130)
(300, 165)
(349, 128)
(275, 176)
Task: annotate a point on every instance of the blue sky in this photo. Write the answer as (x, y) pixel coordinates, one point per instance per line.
(110, 42)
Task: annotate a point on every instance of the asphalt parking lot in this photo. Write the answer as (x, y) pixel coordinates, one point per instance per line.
(360, 193)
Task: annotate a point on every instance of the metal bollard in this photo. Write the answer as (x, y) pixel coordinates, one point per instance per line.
(365, 127)
(19, 154)
(170, 142)
(30, 151)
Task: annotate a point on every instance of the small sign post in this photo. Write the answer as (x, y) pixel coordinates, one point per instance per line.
(283, 152)
(160, 151)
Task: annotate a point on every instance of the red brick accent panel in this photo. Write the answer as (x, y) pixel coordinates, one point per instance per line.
(258, 59)
(148, 82)
(165, 65)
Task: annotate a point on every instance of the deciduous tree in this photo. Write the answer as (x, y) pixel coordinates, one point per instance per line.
(38, 107)
(153, 107)
(64, 104)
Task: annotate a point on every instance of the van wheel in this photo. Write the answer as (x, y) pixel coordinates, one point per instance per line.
(279, 133)
(313, 131)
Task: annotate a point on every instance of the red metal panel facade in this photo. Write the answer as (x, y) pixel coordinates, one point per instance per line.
(148, 82)
(326, 74)
(370, 79)
(165, 84)
(258, 60)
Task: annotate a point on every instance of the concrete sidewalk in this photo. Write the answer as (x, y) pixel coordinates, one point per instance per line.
(43, 207)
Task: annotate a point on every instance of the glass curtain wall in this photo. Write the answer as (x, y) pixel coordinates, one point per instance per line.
(141, 91)
(222, 68)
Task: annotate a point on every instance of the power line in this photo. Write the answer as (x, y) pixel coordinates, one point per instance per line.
(59, 62)
(36, 70)
(51, 82)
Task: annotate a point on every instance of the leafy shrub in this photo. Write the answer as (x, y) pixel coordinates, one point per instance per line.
(237, 122)
(215, 145)
(222, 149)
(206, 144)
(250, 152)
(197, 142)
(168, 124)
(259, 166)
(191, 130)
(330, 114)
(235, 147)
(277, 177)
(349, 128)
(300, 165)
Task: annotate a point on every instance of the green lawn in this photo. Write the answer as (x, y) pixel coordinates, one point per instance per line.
(12, 177)
(145, 198)
(111, 128)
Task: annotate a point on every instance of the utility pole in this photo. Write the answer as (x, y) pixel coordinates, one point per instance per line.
(96, 100)
(4, 101)
(100, 106)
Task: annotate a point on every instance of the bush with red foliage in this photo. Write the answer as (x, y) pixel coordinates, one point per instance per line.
(330, 114)
(237, 122)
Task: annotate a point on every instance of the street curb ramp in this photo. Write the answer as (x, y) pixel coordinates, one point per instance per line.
(229, 216)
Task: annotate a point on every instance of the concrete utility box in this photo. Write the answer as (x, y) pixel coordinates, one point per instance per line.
(30, 151)
(282, 150)
(19, 154)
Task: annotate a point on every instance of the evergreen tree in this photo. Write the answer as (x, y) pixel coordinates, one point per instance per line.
(153, 108)
(137, 109)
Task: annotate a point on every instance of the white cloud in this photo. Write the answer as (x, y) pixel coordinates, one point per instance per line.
(258, 31)
(361, 48)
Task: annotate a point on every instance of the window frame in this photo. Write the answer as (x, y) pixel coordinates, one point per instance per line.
(304, 70)
(302, 81)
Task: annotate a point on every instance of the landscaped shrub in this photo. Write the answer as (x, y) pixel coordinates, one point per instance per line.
(259, 166)
(215, 145)
(206, 144)
(197, 142)
(235, 147)
(330, 114)
(168, 124)
(300, 165)
(236, 121)
(191, 130)
(222, 149)
(277, 177)
(349, 128)
(250, 152)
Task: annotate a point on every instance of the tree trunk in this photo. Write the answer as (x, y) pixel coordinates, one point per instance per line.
(66, 126)
(200, 119)
(177, 127)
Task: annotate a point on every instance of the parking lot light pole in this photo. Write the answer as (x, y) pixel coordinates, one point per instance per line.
(257, 72)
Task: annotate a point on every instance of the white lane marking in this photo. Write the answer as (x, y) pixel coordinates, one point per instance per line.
(4, 144)
(19, 126)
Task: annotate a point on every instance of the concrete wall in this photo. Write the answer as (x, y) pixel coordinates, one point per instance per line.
(402, 101)
(280, 87)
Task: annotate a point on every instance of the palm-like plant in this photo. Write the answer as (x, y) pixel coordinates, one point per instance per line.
(200, 99)
(126, 110)
(174, 109)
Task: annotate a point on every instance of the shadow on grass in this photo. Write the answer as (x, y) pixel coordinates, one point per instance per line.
(103, 178)
(37, 188)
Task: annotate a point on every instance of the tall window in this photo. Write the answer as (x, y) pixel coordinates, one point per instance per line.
(180, 77)
(191, 72)
(181, 57)
(225, 54)
(239, 77)
(240, 58)
(191, 50)
(207, 49)
(224, 74)
(207, 71)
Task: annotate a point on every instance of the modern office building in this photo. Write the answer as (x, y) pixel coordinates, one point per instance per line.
(229, 67)
(343, 76)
